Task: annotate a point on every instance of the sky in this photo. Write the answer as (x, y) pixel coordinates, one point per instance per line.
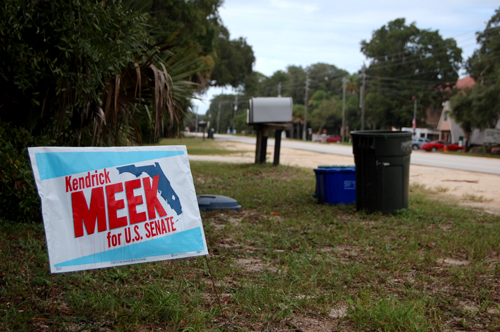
(301, 33)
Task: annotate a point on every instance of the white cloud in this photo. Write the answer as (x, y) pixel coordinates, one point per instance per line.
(294, 5)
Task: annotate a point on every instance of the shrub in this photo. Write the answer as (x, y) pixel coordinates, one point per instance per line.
(19, 200)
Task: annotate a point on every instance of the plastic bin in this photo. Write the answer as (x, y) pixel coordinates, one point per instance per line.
(217, 202)
(336, 185)
(382, 170)
(337, 166)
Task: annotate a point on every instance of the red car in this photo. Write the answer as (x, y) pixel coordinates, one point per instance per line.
(332, 139)
(439, 145)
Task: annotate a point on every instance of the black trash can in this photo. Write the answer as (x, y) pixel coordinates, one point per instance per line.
(382, 170)
(211, 133)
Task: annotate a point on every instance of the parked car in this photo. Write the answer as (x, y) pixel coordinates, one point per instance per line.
(439, 145)
(332, 139)
(418, 141)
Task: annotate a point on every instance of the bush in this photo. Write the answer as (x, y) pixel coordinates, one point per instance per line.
(19, 200)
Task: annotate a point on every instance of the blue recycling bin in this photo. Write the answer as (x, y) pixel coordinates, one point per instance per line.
(336, 185)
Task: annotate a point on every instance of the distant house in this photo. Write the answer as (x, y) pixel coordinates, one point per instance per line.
(451, 131)
(434, 112)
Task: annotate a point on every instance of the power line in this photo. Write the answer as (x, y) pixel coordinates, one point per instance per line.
(438, 43)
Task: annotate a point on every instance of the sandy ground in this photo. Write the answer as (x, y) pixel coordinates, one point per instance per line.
(476, 190)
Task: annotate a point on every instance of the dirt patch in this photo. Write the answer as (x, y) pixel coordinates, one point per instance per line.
(312, 324)
(451, 261)
(254, 265)
(475, 190)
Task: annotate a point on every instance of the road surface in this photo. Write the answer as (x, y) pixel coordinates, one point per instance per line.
(422, 158)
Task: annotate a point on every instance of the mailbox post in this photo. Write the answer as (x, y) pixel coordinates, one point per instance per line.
(267, 114)
(203, 124)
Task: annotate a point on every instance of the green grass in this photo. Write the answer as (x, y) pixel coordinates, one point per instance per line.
(281, 261)
(199, 146)
(475, 198)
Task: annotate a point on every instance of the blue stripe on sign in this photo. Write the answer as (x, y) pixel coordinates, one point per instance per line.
(55, 164)
(183, 242)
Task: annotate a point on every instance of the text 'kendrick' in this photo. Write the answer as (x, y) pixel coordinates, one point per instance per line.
(88, 181)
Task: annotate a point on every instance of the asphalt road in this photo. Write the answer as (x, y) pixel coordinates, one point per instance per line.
(433, 159)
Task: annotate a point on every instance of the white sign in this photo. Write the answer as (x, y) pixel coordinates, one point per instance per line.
(106, 207)
(492, 136)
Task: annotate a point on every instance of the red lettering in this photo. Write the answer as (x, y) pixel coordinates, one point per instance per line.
(68, 183)
(146, 225)
(163, 229)
(157, 227)
(172, 223)
(152, 198)
(106, 176)
(137, 234)
(101, 178)
(82, 214)
(75, 184)
(115, 205)
(133, 201)
(87, 180)
(152, 226)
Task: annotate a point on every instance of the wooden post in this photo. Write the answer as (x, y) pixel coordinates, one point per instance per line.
(263, 148)
(258, 144)
(277, 146)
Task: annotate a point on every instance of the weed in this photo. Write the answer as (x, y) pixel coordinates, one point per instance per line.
(389, 314)
(475, 198)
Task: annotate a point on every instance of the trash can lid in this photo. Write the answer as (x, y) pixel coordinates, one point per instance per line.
(334, 170)
(217, 202)
(337, 166)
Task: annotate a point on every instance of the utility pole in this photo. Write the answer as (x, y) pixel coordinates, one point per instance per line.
(234, 110)
(344, 81)
(304, 135)
(218, 120)
(196, 130)
(414, 122)
(279, 89)
(362, 99)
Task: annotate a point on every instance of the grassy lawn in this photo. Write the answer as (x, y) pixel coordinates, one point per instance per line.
(282, 263)
(198, 146)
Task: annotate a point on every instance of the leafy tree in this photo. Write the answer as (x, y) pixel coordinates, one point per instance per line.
(326, 77)
(263, 86)
(407, 63)
(192, 23)
(225, 115)
(234, 60)
(325, 90)
(82, 73)
(296, 84)
(83, 65)
(484, 62)
(326, 116)
(479, 107)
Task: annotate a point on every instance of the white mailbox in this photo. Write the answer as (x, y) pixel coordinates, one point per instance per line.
(269, 110)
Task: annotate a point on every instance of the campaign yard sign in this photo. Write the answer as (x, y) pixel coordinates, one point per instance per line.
(106, 207)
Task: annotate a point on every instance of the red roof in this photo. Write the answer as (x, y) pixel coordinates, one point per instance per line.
(465, 83)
